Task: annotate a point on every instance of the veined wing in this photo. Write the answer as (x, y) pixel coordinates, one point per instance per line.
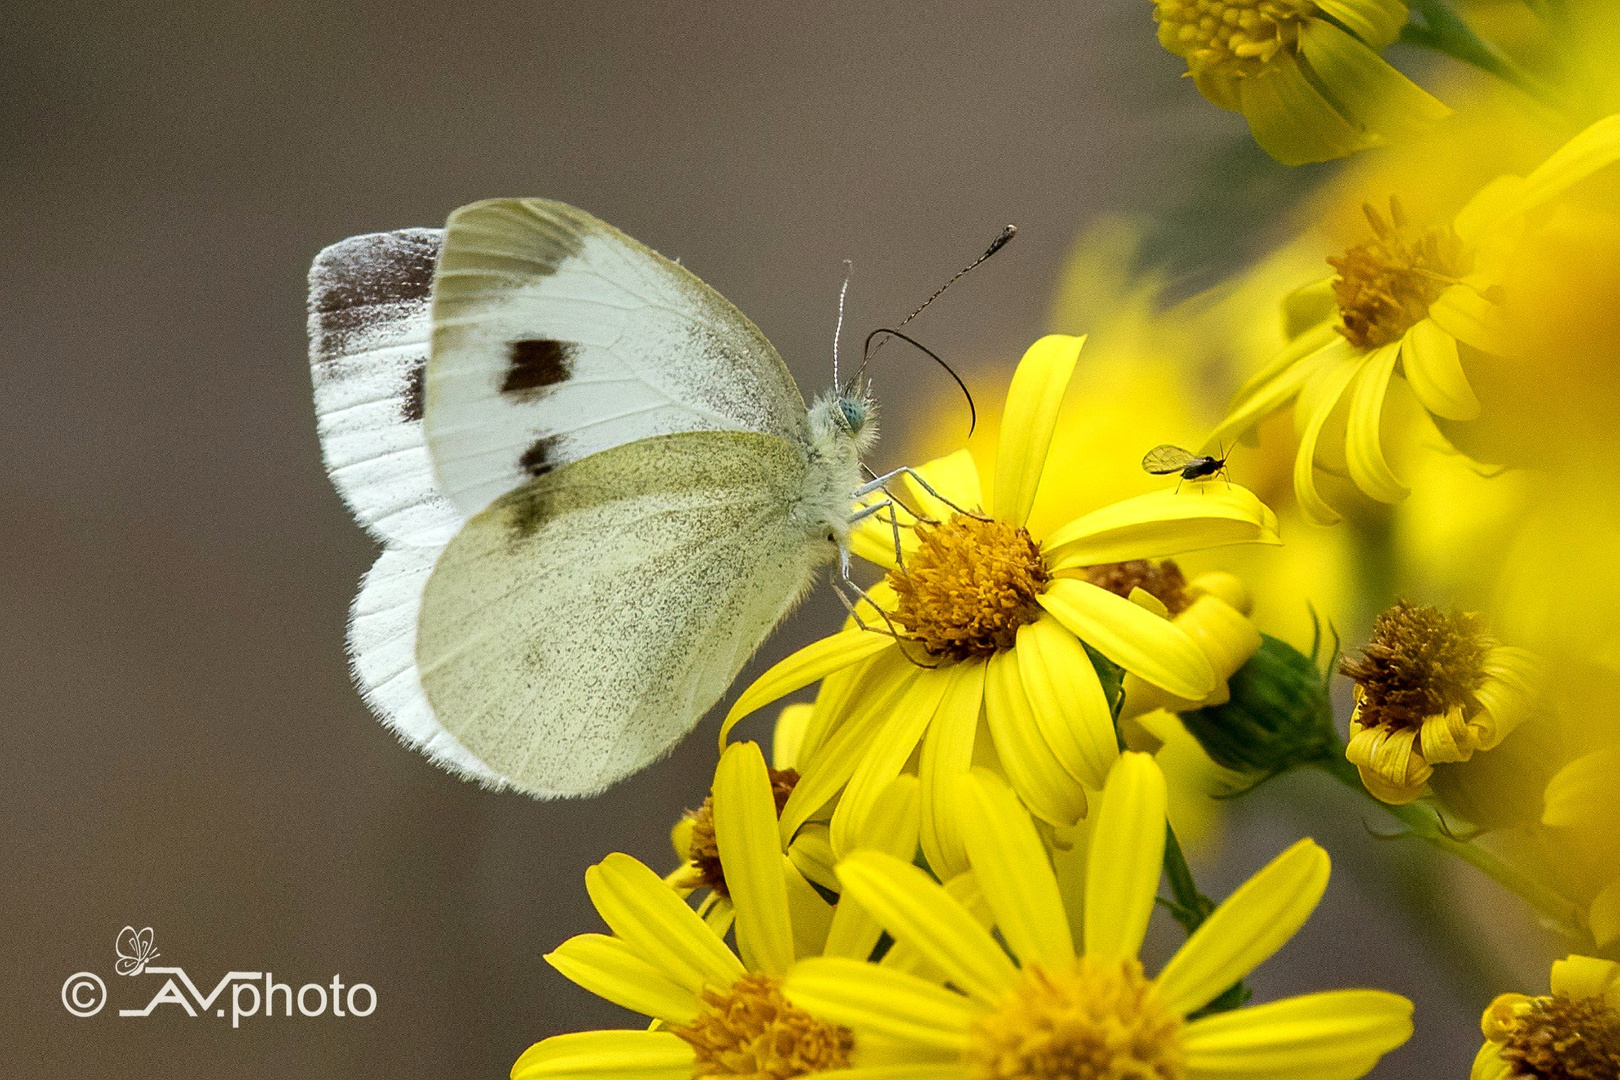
(1166, 459)
(555, 336)
(369, 325)
(579, 626)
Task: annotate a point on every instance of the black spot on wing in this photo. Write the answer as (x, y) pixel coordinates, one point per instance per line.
(535, 365)
(365, 283)
(410, 402)
(541, 456)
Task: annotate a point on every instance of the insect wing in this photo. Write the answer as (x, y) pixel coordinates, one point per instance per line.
(1165, 459)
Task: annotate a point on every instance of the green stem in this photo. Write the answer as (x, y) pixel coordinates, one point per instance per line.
(1425, 824)
(1445, 32)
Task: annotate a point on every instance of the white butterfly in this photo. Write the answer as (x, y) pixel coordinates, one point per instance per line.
(597, 486)
(134, 950)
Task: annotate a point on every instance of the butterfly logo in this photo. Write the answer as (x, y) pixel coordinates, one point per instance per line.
(134, 950)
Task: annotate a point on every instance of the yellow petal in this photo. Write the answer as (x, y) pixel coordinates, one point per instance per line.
(1163, 523)
(1333, 385)
(815, 661)
(1292, 121)
(947, 752)
(1248, 927)
(831, 707)
(1010, 864)
(1470, 318)
(810, 917)
(812, 855)
(955, 477)
(1595, 148)
(1430, 363)
(1584, 977)
(609, 1055)
(835, 760)
(1364, 438)
(890, 827)
(888, 752)
(1603, 917)
(903, 956)
(789, 735)
(915, 909)
(1270, 388)
(1040, 779)
(1366, 89)
(1338, 1035)
(1027, 422)
(871, 1000)
(1578, 790)
(1126, 857)
(1376, 22)
(1489, 1064)
(653, 920)
(611, 969)
(1067, 698)
(745, 833)
(1136, 640)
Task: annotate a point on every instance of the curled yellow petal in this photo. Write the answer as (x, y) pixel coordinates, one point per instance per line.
(1431, 365)
(1161, 524)
(1028, 420)
(1364, 439)
(1331, 389)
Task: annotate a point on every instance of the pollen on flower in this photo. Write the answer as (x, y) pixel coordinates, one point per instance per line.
(1421, 662)
(969, 585)
(751, 1030)
(1161, 578)
(1230, 37)
(1094, 1020)
(704, 852)
(1386, 285)
(1564, 1038)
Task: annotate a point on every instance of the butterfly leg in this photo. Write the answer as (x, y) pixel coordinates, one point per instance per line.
(894, 528)
(877, 483)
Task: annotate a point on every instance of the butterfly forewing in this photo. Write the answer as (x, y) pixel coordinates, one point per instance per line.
(555, 336)
(369, 325)
(1165, 459)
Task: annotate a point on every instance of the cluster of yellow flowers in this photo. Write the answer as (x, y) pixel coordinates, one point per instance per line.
(948, 867)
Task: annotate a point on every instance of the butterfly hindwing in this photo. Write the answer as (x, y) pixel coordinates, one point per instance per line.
(369, 327)
(579, 626)
(555, 336)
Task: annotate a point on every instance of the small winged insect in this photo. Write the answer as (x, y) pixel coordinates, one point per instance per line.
(135, 950)
(1168, 458)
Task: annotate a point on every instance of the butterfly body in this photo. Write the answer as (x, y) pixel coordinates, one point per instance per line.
(615, 489)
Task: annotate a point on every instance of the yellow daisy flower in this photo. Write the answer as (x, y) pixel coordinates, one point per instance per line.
(986, 618)
(1431, 689)
(716, 1012)
(1071, 1001)
(1572, 1033)
(1411, 305)
(1305, 74)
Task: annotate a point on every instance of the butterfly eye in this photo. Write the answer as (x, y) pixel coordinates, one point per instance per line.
(854, 412)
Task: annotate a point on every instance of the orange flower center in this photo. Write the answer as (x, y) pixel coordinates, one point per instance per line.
(1385, 286)
(1421, 662)
(1564, 1038)
(969, 586)
(1092, 1020)
(1160, 578)
(751, 1030)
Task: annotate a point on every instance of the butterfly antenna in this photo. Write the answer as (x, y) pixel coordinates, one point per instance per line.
(1001, 241)
(838, 330)
(973, 411)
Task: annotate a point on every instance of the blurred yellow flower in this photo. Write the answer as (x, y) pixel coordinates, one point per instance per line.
(979, 615)
(1572, 1033)
(1582, 809)
(1305, 74)
(1072, 999)
(1431, 689)
(1408, 306)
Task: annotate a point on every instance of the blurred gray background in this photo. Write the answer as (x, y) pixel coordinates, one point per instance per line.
(183, 748)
